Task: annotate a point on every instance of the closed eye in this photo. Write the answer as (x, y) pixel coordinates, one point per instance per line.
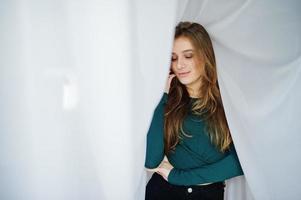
(189, 56)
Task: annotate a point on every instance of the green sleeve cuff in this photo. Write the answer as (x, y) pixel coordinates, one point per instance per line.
(171, 175)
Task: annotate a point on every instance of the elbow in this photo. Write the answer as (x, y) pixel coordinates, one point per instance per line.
(151, 165)
(153, 160)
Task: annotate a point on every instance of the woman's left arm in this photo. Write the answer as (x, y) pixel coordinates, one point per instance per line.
(223, 169)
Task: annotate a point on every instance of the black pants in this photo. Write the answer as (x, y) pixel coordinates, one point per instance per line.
(159, 189)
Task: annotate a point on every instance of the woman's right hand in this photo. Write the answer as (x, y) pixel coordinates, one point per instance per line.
(169, 79)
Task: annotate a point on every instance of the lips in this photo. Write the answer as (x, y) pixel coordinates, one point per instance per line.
(182, 74)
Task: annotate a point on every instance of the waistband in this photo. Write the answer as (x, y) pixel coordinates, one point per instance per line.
(205, 186)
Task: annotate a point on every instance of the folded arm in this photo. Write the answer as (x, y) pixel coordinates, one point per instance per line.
(221, 170)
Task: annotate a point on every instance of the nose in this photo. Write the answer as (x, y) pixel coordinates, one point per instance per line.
(180, 64)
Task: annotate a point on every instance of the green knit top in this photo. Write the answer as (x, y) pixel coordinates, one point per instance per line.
(195, 159)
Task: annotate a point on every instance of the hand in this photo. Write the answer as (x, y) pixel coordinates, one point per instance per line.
(169, 79)
(164, 168)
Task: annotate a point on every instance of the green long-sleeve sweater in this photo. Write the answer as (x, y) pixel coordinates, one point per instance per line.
(195, 159)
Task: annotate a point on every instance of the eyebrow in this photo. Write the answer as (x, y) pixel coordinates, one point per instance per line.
(186, 50)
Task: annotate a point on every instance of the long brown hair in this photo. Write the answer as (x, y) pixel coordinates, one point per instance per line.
(209, 106)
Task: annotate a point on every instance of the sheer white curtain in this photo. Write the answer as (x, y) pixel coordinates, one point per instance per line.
(79, 81)
(258, 51)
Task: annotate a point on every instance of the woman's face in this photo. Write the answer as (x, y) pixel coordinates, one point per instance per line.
(186, 64)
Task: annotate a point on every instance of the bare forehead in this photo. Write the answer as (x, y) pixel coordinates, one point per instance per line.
(182, 45)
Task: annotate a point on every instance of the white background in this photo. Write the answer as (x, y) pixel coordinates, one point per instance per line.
(79, 81)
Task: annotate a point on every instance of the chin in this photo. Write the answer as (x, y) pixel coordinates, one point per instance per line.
(185, 81)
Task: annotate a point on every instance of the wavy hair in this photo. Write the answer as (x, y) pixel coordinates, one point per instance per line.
(209, 104)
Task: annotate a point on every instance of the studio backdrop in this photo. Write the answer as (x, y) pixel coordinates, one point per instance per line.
(79, 81)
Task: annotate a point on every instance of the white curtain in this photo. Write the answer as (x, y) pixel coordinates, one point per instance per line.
(79, 81)
(258, 50)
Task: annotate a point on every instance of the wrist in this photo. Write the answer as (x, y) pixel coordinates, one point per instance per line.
(169, 175)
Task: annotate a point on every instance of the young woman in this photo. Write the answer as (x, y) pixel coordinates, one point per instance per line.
(189, 146)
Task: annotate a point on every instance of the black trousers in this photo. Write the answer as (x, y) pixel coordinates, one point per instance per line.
(159, 189)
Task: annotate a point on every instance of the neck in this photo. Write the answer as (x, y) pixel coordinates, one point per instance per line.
(193, 89)
(192, 92)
